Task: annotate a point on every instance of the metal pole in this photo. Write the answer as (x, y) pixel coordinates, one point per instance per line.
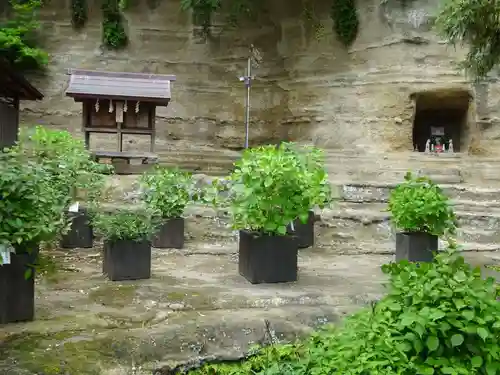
(248, 82)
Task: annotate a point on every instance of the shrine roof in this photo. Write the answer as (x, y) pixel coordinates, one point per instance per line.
(89, 84)
(15, 85)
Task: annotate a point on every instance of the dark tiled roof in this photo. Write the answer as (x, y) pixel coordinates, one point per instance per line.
(111, 85)
(14, 85)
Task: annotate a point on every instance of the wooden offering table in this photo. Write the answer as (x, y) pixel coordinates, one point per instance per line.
(120, 103)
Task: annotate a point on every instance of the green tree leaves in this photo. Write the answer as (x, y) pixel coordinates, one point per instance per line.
(19, 39)
(474, 23)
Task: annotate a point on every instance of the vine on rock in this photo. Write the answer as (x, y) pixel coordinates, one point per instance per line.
(79, 13)
(236, 10)
(202, 11)
(18, 36)
(345, 18)
(114, 34)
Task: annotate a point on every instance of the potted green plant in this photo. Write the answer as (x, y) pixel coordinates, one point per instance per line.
(31, 207)
(267, 191)
(168, 191)
(422, 213)
(319, 190)
(89, 187)
(127, 242)
(76, 173)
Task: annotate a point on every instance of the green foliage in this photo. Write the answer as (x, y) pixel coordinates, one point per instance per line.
(437, 318)
(40, 177)
(133, 225)
(79, 13)
(114, 34)
(419, 205)
(18, 36)
(202, 10)
(31, 208)
(124, 5)
(168, 191)
(268, 190)
(312, 160)
(77, 172)
(474, 23)
(345, 18)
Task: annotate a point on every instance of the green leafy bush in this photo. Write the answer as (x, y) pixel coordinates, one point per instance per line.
(113, 31)
(312, 160)
(419, 205)
(41, 176)
(168, 191)
(67, 174)
(31, 209)
(76, 172)
(267, 190)
(438, 318)
(133, 225)
(19, 36)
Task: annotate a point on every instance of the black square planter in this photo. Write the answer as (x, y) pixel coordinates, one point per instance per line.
(127, 260)
(267, 259)
(80, 234)
(416, 247)
(170, 234)
(17, 292)
(303, 232)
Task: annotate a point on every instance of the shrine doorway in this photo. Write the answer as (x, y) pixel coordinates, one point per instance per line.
(441, 117)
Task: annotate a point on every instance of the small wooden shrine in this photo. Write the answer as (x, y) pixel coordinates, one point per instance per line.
(120, 103)
(13, 88)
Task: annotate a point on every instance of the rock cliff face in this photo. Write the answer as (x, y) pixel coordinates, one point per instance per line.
(308, 87)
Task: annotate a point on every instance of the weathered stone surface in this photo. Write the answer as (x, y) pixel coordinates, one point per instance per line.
(308, 88)
(195, 306)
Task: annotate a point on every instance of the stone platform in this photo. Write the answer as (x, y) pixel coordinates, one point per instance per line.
(194, 306)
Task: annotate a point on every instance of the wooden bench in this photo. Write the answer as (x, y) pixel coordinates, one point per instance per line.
(127, 162)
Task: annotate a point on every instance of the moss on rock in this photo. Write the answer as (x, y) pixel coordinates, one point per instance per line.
(114, 295)
(66, 352)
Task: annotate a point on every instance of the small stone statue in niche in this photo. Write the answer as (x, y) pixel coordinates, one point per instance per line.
(428, 145)
(439, 147)
(450, 146)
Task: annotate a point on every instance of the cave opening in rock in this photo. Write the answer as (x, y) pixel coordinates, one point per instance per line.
(440, 117)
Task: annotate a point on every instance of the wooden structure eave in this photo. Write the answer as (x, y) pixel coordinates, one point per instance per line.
(14, 85)
(84, 97)
(144, 87)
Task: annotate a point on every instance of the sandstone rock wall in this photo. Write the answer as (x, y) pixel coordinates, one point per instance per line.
(308, 86)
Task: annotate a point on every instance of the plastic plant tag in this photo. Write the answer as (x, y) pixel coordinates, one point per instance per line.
(74, 207)
(292, 227)
(5, 254)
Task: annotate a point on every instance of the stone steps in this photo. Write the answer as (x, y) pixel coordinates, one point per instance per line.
(359, 220)
(379, 192)
(344, 167)
(443, 168)
(352, 227)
